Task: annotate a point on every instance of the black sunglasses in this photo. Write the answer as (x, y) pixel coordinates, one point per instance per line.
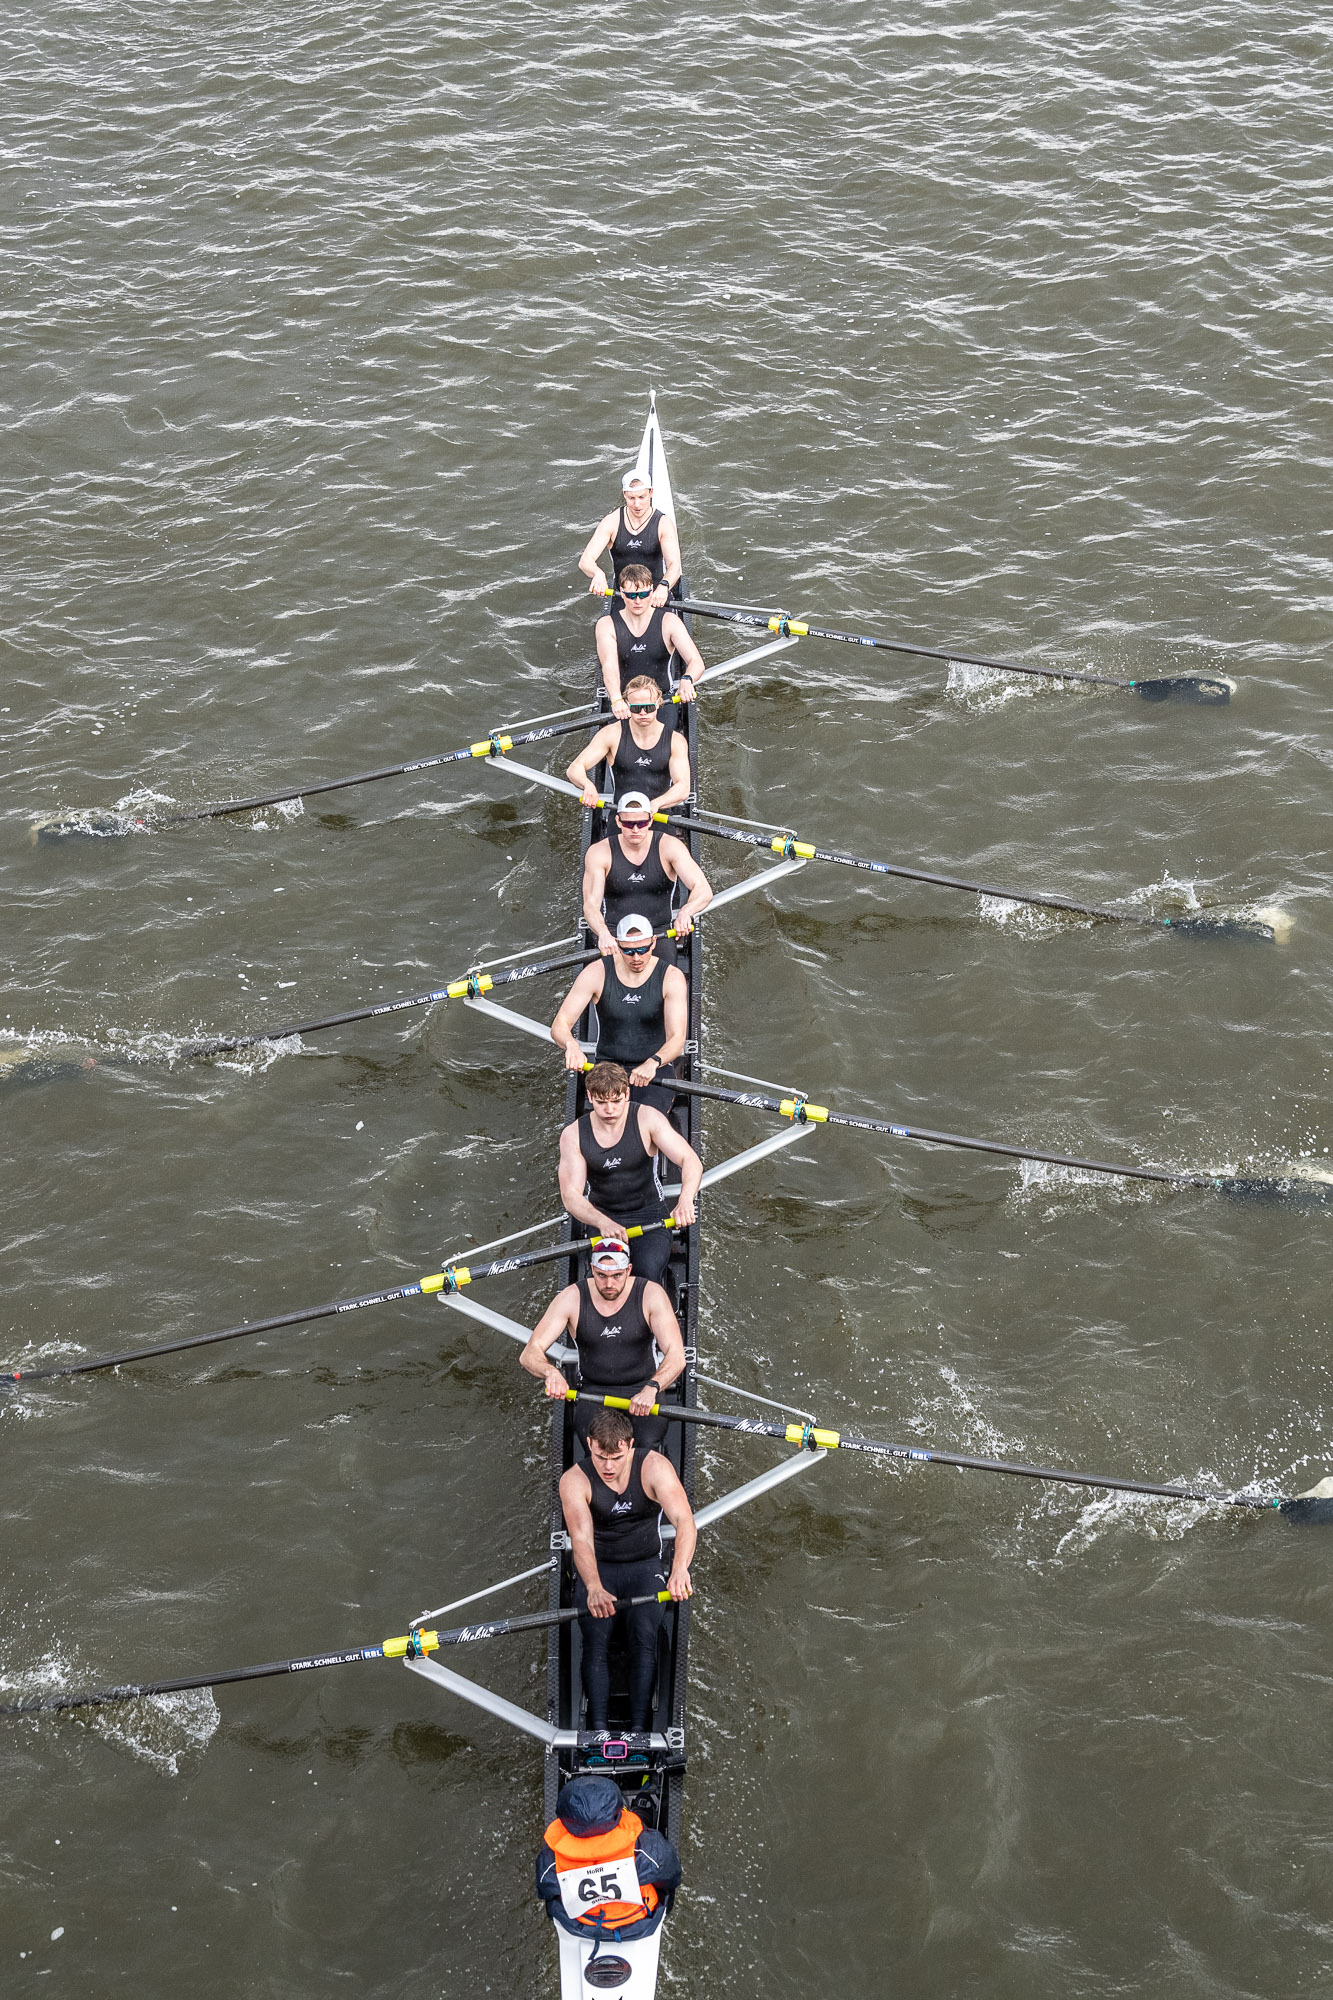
(634, 595)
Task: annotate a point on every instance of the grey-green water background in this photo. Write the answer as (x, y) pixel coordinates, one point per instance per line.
(326, 332)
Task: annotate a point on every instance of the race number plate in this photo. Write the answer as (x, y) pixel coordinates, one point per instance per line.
(582, 1889)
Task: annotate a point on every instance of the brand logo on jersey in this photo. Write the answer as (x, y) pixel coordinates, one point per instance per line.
(643, 760)
(638, 878)
(612, 1332)
(608, 1164)
(633, 999)
(621, 1506)
(642, 647)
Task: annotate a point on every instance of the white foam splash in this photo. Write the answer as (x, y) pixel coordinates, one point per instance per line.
(160, 1730)
(1026, 920)
(982, 688)
(1137, 1513)
(1039, 1178)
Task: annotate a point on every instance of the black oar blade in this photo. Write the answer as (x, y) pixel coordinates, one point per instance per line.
(85, 826)
(1204, 690)
(1306, 1190)
(1252, 928)
(1313, 1509)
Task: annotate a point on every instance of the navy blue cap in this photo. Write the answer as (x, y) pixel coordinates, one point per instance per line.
(590, 1805)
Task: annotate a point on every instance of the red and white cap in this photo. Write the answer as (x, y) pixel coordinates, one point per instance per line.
(611, 1255)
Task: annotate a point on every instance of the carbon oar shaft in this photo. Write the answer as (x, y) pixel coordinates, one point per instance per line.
(1209, 689)
(494, 746)
(801, 1112)
(792, 849)
(469, 988)
(411, 1646)
(451, 1279)
(814, 1437)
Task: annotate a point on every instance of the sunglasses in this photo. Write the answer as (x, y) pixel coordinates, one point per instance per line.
(643, 707)
(634, 825)
(636, 950)
(633, 596)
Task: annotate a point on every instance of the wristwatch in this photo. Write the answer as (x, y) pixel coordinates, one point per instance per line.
(652, 1383)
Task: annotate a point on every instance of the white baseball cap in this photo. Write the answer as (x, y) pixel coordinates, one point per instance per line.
(635, 478)
(633, 927)
(637, 802)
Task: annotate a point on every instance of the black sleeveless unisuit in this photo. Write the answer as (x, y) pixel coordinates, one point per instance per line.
(615, 1350)
(643, 652)
(620, 1177)
(637, 888)
(626, 1527)
(639, 545)
(631, 1020)
(634, 769)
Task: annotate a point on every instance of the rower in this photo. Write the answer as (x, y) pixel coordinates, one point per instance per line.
(613, 1506)
(634, 871)
(620, 1324)
(642, 638)
(643, 1013)
(608, 1175)
(642, 755)
(634, 532)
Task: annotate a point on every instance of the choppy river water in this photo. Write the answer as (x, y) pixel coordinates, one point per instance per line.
(326, 332)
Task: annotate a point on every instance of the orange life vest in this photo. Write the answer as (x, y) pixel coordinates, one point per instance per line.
(618, 1845)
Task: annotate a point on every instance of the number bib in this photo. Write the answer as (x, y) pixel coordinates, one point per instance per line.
(582, 1889)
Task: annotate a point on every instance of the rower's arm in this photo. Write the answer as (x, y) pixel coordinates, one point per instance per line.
(681, 644)
(573, 1181)
(661, 1483)
(586, 988)
(595, 871)
(599, 751)
(590, 562)
(686, 869)
(559, 1319)
(679, 789)
(609, 660)
(658, 1132)
(575, 1498)
(665, 1329)
(669, 543)
(675, 1014)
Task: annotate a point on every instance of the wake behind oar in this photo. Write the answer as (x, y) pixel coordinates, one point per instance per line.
(113, 824)
(412, 1645)
(1314, 1508)
(1204, 690)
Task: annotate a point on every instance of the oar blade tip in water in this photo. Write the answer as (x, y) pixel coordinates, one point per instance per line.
(1312, 1509)
(1260, 927)
(1202, 690)
(84, 826)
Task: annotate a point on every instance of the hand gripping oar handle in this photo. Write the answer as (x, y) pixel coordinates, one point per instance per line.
(792, 849)
(1211, 690)
(814, 1437)
(451, 1279)
(802, 1112)
(411, 1646)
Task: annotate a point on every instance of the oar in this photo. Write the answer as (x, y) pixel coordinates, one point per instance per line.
(1316, 1506)
(451, 1279)
(470, 988)
(802, 1112)
(1208, 690)
(412, 1646)
(1264, 928)
(495, 745)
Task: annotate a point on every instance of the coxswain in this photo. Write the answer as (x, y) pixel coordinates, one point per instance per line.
(620, 1325)
(634, 872)
(639, 637)
(601, 1872)
(634, 532)
(608, 1177)
(643, 1012)
(644, 754)
(613, 1503)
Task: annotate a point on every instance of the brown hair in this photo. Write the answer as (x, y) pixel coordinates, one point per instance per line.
(637, 574)
(607, 1079)
(610, 1429)
(644, 682)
